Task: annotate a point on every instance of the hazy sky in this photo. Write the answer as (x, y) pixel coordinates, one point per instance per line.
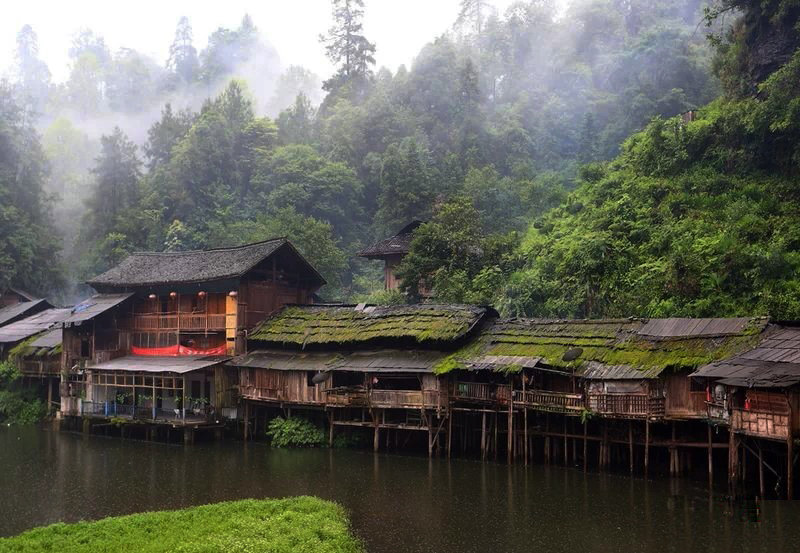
(399, 27)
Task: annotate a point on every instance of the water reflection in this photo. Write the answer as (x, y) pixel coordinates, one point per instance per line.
(397, 503)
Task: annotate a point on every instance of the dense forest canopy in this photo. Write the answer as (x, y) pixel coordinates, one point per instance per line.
(517, 135)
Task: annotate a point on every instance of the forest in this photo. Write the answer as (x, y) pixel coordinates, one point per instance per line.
(550, 154)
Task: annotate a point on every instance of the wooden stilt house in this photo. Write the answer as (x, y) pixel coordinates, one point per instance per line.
(152, 342)
(368, 366)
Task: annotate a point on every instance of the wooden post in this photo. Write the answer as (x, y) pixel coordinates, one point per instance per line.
(510, 440)
(449, 433)
(483, 436)
(376, 437)
(49, 395)
(790, 466)
(430, 436)
(547, 438)
(330, 430)
(630, 446)
(710, 459)
(585, 449)
(733, 462)
(646, 446)
(673, 469)
(494, 447)
(760, 473)
(246, 420)
(527, 437)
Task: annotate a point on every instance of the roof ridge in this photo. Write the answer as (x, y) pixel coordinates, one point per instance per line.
(222, 249)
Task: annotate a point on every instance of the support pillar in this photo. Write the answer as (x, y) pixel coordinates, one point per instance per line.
(790, 466)
(483, 436)
(585, 448)
(449, 433)
(710, 459)
(330, 429)
(527, 437)
(246, 420)
(761, 489)
(566, 449)
(646, 447)
(630, 446)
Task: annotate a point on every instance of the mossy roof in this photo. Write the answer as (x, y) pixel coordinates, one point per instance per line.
(607, 349)
(338, 325)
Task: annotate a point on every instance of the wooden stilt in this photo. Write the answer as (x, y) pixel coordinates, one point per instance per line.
(566, 449)
(585, 449)
(630, 446)
(526, 451)
(673, 469)
(710, 458)
(761, 489)
(494, 445)
(646, 446)
(376, 438)
(733, 462)
(510, 438)
(330, 430)
(483, 436)
(790, 466)
(449, 433)
(246, 420)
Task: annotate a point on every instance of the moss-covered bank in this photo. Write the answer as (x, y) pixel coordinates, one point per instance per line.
(296, 525)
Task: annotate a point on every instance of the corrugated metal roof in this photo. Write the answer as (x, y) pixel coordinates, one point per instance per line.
(600, 371)
(94, 306)
(678, 327)
(179, 364)
(25, 328)
(20, 310)
(361, 361)
(774, 362)
(49, 339)
(502, 362)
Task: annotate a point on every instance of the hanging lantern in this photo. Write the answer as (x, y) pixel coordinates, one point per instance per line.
(152, 296)
(233, 293)
(201, 294)
(173, 295)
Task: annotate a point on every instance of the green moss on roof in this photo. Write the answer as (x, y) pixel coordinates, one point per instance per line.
(306, 325)
(603, 343)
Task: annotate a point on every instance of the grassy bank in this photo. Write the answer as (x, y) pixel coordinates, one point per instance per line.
(296, 525)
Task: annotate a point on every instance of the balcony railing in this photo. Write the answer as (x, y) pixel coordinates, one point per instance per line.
(554, 402)
(280, 394)
(761, 422)
(182, 321)
(627, 405)
(113, 409)
(347, 397)
(404, 399)
(482, 392)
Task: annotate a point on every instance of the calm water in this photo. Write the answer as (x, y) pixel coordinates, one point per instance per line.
(397, 503)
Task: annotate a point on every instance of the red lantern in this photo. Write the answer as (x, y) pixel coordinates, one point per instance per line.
(173, 295)
(152, 296)
(201, 294)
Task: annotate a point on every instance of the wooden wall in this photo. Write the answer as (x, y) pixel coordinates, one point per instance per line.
(275, 385)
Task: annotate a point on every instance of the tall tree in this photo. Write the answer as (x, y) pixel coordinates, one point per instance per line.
(182, 60)
(32, 74)
(117, 171)
(346, 45)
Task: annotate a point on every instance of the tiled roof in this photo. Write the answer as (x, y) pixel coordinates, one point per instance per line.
(394, 245)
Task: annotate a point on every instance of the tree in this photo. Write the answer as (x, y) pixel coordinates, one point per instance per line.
(346, 46)
(29, 249)
(294, 81)
(296, 123)
(407, 186)
(472, 15)
(182, 59)
(117, 171)
(164, 134)
(32, 74)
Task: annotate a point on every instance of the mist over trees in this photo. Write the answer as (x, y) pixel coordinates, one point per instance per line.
(500, 131)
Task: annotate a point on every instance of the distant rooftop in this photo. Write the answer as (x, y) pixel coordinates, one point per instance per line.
(18, 311)
(30, 326)
(155, 268)
(396, 245)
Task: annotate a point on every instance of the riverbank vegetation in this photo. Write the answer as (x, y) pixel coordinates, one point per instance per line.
(18, 405)
(295, 525)
(294, 432)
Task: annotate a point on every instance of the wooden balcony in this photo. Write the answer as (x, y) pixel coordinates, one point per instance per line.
(627, 406)
(692, 405)
(763, 423)
(479, 392)
(347, 397)
(182, 321)
(552, 402)
(46, 367)
(405, 399)
(308, 395)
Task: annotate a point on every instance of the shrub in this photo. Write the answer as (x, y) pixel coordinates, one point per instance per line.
(295, 432)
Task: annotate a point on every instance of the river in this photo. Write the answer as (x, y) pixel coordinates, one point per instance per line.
(397, 503)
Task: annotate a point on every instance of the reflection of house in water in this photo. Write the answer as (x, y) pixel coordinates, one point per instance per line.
(151, 342)
(391, 251)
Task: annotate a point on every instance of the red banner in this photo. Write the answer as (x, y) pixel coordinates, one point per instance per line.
(174, 351)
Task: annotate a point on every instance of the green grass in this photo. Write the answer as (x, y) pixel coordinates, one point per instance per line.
(296, 525)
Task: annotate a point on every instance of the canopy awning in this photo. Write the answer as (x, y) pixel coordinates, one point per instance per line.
(154, 364)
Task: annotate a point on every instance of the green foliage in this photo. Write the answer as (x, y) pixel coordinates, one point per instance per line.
(452, 257)
(18, 405)
(294, 432)
(296, 525)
